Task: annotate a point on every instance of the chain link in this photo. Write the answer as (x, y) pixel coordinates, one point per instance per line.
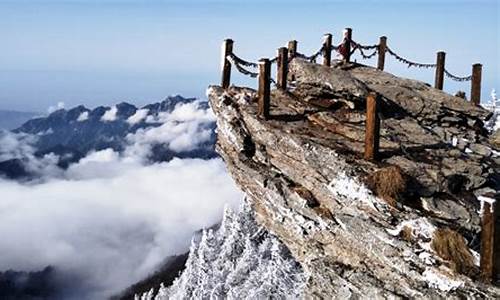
(364, 47)
(313, 57)
(241, 68)
(409, 62)
(242, 62)
(457, 78)
(369, 55)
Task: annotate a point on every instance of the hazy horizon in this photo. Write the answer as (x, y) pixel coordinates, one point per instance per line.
(103, 52)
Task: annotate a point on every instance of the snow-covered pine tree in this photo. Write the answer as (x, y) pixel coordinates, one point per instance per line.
(207, 256)
(184, 285)
(239, 261)
(245, 264)
(494, 122)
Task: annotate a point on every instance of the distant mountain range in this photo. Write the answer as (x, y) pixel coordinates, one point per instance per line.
(13, 119)
(71, 134)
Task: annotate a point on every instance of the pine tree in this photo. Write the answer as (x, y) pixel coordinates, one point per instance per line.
(239, 261)
(246, 263)
(206, 257)
(184, 286)
(494, 122)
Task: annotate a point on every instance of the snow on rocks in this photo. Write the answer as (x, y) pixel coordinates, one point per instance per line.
(349, 187)
(482, 200)
(439, 280)
(421, 231)
(421, 228)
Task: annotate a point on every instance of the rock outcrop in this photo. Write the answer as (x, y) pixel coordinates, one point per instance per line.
(306, 179)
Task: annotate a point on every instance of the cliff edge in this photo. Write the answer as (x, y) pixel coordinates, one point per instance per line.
(405, 226)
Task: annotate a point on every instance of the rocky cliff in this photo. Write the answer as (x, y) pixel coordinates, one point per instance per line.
(404, 226)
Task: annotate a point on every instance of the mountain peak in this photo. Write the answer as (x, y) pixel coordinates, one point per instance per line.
(73, 133)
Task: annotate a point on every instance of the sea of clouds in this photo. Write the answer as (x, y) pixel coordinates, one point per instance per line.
(110, 219)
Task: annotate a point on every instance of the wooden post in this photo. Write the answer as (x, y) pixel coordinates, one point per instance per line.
(292, 48)
(489, 268)
(439, 79)
(372, 133)
(496, 243)
(348, 36)
(227, 49)
(327, 50)
(475, 91)
(382, 45)
(264, 88)
(282, 68)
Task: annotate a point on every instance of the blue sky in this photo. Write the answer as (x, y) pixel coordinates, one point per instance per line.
(103, 52)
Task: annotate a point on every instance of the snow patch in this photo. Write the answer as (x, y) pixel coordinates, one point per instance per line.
(421, 228)
(454, 141)
(482, 200)
(348, 187)
(441, 281)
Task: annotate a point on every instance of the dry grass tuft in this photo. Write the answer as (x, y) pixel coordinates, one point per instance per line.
(451, 246)
(324, 212)
(406, 234)
(388, 183)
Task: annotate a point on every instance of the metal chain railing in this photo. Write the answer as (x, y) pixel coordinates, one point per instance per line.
(313, 57)
(283, 81)
(409, 62)
(457, 78)
(364, 47)
(242, 62)
(369, 55)
(240, 65)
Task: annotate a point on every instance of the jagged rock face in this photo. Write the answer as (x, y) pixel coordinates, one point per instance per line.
(303, 172)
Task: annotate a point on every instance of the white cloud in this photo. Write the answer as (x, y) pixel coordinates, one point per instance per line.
(46, 132)
(16, 145)
(139, 115)
(84, 116)
(110, 114)
(51, 109)
(184, 129)
(21, 146)
(110, 219)
(111, 228)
